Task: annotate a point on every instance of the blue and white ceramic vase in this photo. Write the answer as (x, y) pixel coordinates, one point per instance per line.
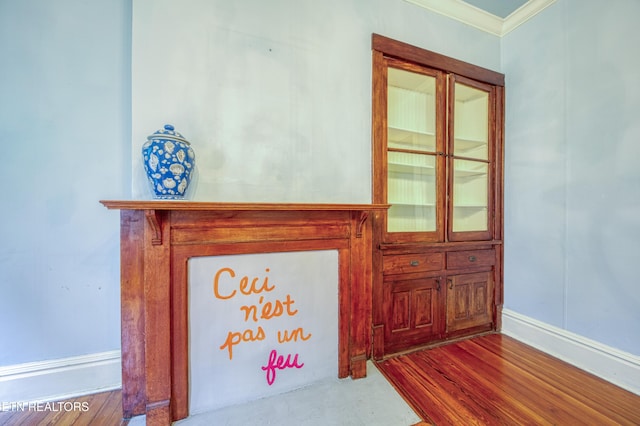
(169, 161)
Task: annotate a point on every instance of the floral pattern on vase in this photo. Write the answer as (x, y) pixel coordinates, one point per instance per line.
(169, 161)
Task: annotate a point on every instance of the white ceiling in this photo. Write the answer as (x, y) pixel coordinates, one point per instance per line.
(497, 17)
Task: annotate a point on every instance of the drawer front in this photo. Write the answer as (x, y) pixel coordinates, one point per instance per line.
(407, 263)
(470, 258)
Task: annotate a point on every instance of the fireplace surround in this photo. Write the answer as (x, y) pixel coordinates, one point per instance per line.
(157, 238)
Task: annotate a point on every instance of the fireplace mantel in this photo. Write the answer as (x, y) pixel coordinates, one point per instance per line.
(157, 238)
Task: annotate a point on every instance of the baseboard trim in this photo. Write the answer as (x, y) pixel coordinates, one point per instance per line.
(61, 378)
(618, 367)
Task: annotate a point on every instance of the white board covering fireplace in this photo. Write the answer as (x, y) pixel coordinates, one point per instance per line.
(260, 325)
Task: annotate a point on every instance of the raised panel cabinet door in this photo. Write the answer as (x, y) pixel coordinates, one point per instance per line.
(414, 312)
(469, 300)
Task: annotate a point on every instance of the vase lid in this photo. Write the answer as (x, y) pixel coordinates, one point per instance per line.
(168, 132)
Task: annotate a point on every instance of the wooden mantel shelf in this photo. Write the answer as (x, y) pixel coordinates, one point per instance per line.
(157, 238)
(207, 205)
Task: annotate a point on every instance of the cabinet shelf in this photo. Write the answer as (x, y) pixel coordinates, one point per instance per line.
(405, 204)
(464, 145)
(470, 207)
(404, 138)
(464, 173)
(470, 142)
(409, 169)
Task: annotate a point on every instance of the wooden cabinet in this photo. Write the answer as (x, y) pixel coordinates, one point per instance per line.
(413, 308)
(437, 161)
(469, 301)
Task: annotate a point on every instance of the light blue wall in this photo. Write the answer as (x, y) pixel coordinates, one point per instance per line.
(572, 179)
(571, 162)
(65, 124)
(275, 96)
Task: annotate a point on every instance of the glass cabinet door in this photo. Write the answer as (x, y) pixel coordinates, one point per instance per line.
(470, 161)
(411, 152)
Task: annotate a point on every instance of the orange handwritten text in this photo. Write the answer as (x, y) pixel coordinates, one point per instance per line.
(235, 337)
(284, 336)
(244, 286)
(269, 310)
(280, 363)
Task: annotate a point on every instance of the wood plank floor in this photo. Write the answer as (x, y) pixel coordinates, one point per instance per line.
(100, 409)
(496, 380)
(488, 380)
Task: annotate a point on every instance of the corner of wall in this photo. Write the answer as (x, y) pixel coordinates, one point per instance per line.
(615, 366)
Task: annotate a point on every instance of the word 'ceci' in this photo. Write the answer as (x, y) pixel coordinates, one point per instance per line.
(245, 286)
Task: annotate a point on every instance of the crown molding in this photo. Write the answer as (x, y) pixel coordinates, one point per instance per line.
(524, 13)
(483, 20)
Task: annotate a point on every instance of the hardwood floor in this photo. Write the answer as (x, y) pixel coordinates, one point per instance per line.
(488, 380)
(495, 379)
(100, 409)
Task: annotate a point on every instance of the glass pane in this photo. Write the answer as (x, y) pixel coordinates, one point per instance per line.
(470, 197)
(411, 111)
(411, 192)
(471, 127)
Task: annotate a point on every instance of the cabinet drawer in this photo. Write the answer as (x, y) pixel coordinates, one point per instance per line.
(406, 263)
(470, 258)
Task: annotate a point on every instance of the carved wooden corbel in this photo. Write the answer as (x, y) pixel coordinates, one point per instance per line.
(155, 222)
(363, 217)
